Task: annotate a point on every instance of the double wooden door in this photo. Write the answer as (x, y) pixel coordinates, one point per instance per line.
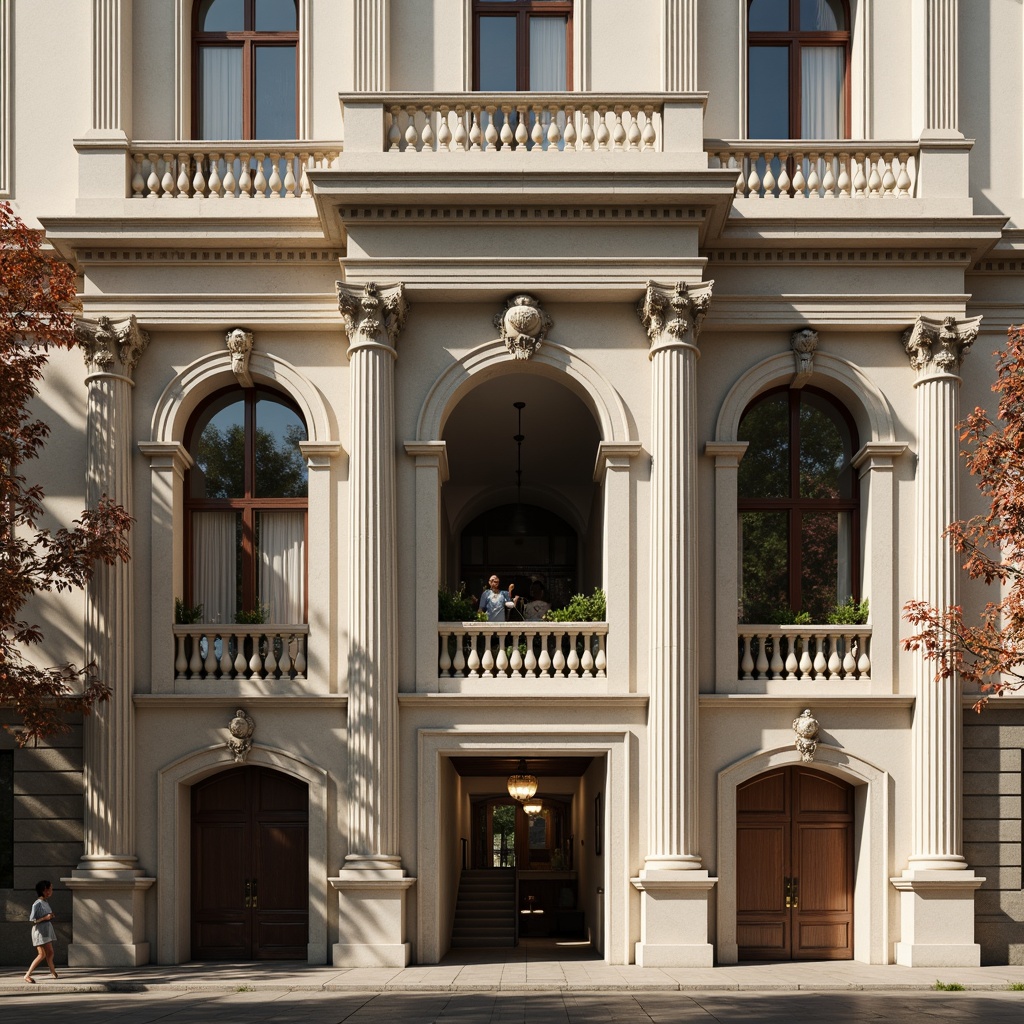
(794, 866)
(250, 866)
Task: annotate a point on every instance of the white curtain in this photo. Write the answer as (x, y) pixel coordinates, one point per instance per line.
(214, 564)
(282, 565)
(823, 114)
(547, 55)
(220, 96)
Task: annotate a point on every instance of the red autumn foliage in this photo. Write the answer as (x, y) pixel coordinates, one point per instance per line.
(37, 303)
(990, 652)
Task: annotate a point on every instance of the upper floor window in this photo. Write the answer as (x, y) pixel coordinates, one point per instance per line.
(797, 505)
(522, 45)
(246, 509)
(245, 69)
(798, 69)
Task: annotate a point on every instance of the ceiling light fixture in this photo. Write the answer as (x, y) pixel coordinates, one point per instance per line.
(521, 784)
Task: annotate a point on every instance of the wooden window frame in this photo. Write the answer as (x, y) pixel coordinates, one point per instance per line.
(523, 11)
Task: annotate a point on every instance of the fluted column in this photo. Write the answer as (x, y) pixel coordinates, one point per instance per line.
(111, 65)
(937, 889)
(671, 934)
(680, 46)
(371, 45)
(107, 874)
(372, 883)
(941, 82)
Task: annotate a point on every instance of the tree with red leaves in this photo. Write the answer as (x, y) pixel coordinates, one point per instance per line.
(990, 653)
(37, 303)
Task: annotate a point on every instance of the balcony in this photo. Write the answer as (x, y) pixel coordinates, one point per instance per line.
(266, 658)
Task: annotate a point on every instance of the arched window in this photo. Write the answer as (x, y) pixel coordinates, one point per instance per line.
(245, 69)
(246, 509)
(522, 45)
(798, 506)
(798, 69)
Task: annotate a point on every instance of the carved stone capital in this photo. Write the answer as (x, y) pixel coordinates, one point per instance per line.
(374, 311)
(239, 342)
(803, 344)
(240, 730)
(109, 346)
(671, 315)
(938, 347)
(523, 324)
(806, 727)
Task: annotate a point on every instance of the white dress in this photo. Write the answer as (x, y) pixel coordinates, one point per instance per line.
(42, 931)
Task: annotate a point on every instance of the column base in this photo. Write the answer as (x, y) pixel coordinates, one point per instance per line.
(109, 919)
(371, 904)
(674, 919)
(937, 918)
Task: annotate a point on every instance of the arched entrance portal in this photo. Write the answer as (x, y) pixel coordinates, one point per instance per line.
(250, 866)
(794, 866)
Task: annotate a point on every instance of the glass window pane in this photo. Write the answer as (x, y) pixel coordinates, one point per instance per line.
(276, 16)
(497, 54)
(768, 92)
(822, 110)
(768, 16)
(275, 92)
(822, 16)
(825, 450)
(216, 565)
(220, 92)
(221, 16)
(281, 561)
(539, 831)
(547, 55)
(218, 447)
(819, 562)
(764, 585)
(764, 469)
(280, 466)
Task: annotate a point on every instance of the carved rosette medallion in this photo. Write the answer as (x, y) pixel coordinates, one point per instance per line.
(373, 311)
(240, 730)
(806, 727)
(938, 347)
(672, 314)
(803, 343)
(523, 324)
(106, 343)
(240, 342)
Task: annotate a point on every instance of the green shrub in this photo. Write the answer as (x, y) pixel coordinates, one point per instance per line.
(849, 613)
(455, 607)
(948, 986)
(185, 615)
(256, 617)
(582, 608)
(801, 618)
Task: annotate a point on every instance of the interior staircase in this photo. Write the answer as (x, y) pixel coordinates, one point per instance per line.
(485, 914)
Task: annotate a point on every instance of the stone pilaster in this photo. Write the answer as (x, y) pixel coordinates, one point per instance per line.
(941, 84)
(111, 66)
(371, 45)
(372, 884)
(674, 927)
(108, 885)
(937, 889)
(680, 46)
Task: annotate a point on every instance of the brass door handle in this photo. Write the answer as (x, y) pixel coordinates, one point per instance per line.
(255, 895)
(248, 893)
(788, 891)
(796, 893)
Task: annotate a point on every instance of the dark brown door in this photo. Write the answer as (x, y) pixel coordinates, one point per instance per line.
(250, 866)
(794, 866)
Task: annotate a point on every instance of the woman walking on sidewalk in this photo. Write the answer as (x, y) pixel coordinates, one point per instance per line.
(43, 935)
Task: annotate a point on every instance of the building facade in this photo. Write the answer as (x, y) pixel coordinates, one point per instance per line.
(679, 300)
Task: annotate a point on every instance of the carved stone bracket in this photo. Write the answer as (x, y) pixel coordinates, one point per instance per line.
(938, 347)
(373, 310)
(806, 727)
(803, 343)
(106, 342)
(523, 324)
(239, 342)
(240, 730)
(675, 312)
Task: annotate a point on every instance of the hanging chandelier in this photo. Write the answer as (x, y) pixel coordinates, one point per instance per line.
(533, 808)
(521, 784)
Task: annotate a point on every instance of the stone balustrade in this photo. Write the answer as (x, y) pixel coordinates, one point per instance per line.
(531, 650)
(832, 653)
(205, 651)
(802, 169)
(227, 170)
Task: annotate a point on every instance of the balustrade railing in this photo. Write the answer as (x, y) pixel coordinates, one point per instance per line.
(831, 653)
(522, 122)
(531, 650)
(239, 652)
(223, 170)
(802, 169)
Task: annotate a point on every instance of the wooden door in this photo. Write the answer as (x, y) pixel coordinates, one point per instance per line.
(250, 866)
(794, 866)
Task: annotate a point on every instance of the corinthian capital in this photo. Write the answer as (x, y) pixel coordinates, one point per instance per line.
(107, 343)
(938, 347)
(673, 313)
(373, 310)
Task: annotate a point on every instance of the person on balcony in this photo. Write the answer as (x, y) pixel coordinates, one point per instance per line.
(538, 606)
(496, 601)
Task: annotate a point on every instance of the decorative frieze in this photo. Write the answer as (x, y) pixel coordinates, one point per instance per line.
(803, 343)
(111, 347)
(240, 342)
(523, 324)
(938, 347)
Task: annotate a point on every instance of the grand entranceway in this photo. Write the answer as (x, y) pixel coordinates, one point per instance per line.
(794, 866)
(250, 866)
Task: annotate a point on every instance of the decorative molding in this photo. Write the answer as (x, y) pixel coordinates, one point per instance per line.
(472, 214)
(240, 730)
(6, 52)
(674, 313)
(806, 727)
(105, 342)
(240, 342)
(524, 324)
(938, 347)
(841, 257)
(803, 343)
(365, 314)
(208, 256)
